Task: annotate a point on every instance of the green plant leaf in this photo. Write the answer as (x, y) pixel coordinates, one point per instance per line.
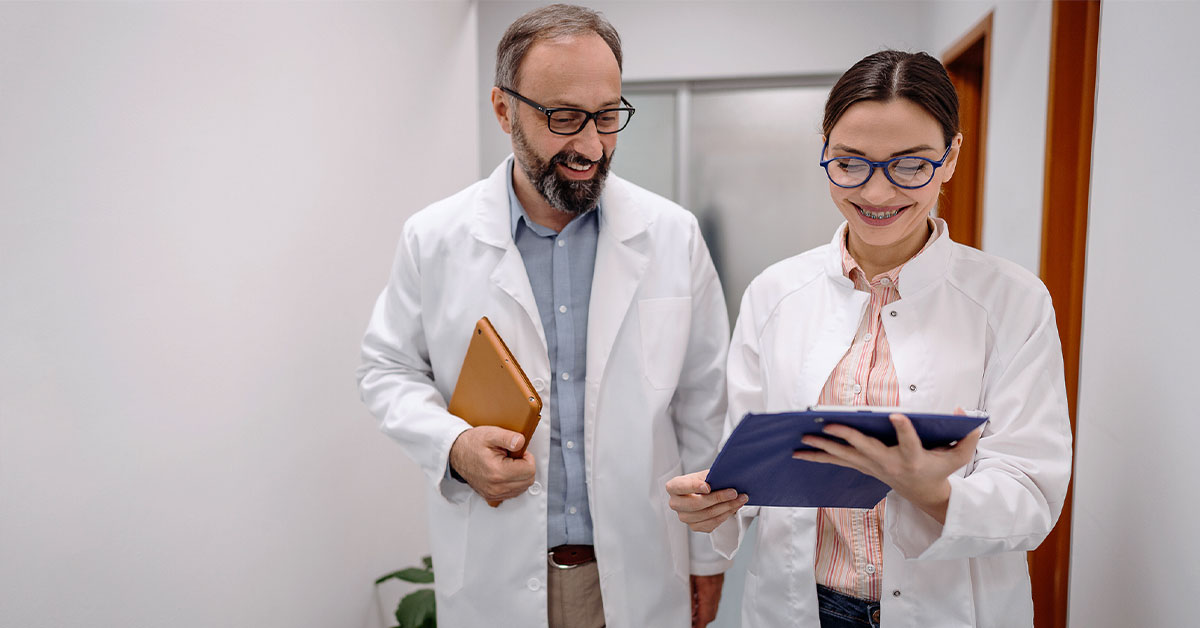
(428, 560)
(418, 610)
(411, 574)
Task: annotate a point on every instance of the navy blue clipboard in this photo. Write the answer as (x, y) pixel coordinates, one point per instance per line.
(757, 458)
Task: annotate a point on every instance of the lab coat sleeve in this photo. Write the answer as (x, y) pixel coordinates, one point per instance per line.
(396, 379)
(698, 405)
(1016, 487)
(746, 394)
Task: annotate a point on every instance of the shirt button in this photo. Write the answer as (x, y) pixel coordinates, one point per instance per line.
(570, 444)
(857, 389)
(539, 384)
(573, 510)
(535, 488)
(562, 242)
(566, 376)
(870, 568)
(562, 309)
(534, 584)
(867, 336)
(885, 281)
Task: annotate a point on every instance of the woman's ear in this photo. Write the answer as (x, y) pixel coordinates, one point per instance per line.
(952, 158)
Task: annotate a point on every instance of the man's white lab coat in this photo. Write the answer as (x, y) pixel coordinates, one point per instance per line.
(654, 399)
(970, 330)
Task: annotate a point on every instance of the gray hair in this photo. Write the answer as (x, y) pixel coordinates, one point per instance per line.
(548, 22)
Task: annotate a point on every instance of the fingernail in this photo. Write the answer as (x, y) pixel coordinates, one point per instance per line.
(705, 489)
(514, 443)
(744, 498)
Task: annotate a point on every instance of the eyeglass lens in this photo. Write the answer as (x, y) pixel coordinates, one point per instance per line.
(569, 121)
(852, 171)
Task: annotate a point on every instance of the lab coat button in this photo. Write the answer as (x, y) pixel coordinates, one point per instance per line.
(896, 593)
(535, 488)
(539, 384)
(893, 312)
(912, 387)
(534, 585)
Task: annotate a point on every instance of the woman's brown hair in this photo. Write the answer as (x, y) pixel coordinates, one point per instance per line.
(891, 74)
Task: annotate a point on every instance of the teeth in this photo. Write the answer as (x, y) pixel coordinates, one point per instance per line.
(882, 216)
(579, 167)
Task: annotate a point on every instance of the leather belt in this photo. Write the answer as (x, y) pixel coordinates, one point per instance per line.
(570, 556)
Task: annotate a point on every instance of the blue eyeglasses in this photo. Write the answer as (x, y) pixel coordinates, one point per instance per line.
(905, 172)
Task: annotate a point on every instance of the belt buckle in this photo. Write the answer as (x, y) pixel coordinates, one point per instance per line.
(550, 559)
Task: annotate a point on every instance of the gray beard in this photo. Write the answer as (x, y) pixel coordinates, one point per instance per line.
(565, 195)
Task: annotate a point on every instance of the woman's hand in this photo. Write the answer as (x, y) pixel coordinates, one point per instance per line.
(917, 474)
(701, 509)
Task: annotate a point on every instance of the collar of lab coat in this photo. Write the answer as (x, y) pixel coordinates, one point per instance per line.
(919, 272)
(492, 224)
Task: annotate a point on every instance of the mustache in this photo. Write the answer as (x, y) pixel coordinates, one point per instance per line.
(567, 158)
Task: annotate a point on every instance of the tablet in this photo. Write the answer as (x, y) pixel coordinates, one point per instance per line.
(492, 389)
(757, 457)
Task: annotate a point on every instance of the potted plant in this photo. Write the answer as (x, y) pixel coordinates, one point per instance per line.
(419, 608)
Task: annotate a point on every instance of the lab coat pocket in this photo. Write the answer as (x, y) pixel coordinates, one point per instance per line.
(448, 542)
(665, 325)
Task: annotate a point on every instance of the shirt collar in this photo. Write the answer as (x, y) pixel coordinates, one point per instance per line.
(517, 210)
(851, 267)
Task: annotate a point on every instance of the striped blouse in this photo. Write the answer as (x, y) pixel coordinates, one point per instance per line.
(849, 556)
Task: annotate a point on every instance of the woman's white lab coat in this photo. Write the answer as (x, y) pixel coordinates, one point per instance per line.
(654, 399)
(969, 330)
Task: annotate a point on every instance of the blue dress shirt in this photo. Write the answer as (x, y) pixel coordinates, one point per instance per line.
(560, 267)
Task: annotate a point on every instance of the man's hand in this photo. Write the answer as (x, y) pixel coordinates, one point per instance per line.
(917, 474)
(701, 509)
(706, 596)
(480, 456)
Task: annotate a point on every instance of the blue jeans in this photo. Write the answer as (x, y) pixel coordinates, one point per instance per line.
(842, 611)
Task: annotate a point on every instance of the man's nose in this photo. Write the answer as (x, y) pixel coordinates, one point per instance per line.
(587, 142)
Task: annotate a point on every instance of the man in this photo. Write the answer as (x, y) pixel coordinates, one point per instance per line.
(607, 297)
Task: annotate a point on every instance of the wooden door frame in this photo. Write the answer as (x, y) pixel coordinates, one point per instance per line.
(964, 194)
(1075, 29)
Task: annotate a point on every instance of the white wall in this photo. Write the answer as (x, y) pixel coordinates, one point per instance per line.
(1135, 556)
(198, 205)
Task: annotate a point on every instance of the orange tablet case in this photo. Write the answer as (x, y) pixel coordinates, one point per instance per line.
(492, 389)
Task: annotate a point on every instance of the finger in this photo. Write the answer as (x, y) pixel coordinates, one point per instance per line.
(697, 515)
(689, 484)
(713, 517)
(856, 442)
(847, 455)
(694, 502)
(501, 438)
(820, 456)
(906, 436)
(958, 410)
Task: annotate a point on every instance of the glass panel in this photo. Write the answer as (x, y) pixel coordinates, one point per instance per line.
(756, 185)
(646, 148)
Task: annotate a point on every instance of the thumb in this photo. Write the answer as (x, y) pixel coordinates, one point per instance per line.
(502, 438)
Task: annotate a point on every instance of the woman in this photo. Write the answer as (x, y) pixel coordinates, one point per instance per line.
(893, 313)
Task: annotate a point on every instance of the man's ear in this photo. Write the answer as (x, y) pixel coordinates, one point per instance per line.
(501, 109)
(952, 158)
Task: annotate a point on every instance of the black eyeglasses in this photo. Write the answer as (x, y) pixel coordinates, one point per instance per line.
(569, 121)
(906, 172)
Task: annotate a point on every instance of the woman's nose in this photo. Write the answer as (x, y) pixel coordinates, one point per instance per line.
(877, 190)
